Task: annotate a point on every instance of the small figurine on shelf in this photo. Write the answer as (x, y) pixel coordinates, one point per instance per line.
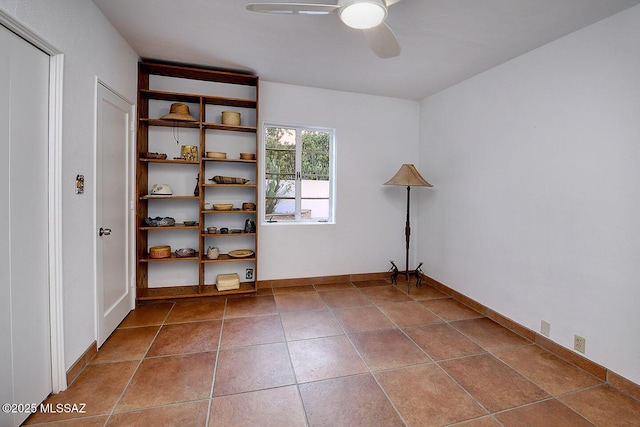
(249, 226)
(196, 192)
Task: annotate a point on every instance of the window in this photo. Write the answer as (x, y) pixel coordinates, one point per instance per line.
(299, 173)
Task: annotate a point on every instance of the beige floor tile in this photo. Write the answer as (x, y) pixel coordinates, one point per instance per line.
(280, 407)
(354, 401)
(146, 315)
(450, 309)
(193, 311)
(487, 421)
(344, 298)
(126, 344)
(183, 338)
(441, 341)
(426, 395)
(250, 306)
(258, 367)
(424, 292)
(409, 313)
(360, 319)
(548, 371)
(489, 334)
(98, 421)
(333, 286)
(605, 406)
(243, 331)
(299, 301)
(386, 349)
(192, 414)
(98, 387)
(173, 379)
(371, 283)
(547, 413)
(292, 289)
(301, 325)
(384, 294)
(495, 385)
(322, 358)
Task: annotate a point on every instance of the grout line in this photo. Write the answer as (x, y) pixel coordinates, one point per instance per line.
(111, 413)
(215, 365)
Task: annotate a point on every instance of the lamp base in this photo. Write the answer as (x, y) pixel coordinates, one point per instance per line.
(407, 275)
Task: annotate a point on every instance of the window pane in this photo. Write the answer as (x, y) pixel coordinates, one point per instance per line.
(280, 195)
(280, 150)
(315, 141)
(317, 209)
(315, 189)
(315, 154)
(297, 173)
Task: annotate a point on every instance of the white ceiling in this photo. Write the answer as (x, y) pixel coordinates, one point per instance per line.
(443, 41)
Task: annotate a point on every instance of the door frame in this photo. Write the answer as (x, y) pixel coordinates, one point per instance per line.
(56, 72)
(130, 222)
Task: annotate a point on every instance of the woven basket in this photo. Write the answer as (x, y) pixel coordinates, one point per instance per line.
(162, 251)
(216, 155)
(231, 118)
(247, 156)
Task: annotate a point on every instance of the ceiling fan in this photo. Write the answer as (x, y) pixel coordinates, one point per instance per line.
(366, 15)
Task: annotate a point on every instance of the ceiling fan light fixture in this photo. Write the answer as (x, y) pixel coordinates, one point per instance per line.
(362, 14)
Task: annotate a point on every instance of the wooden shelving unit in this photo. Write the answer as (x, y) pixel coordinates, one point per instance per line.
(210, 132)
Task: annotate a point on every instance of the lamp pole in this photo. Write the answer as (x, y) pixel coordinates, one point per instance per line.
(407, 234)
(408, 176)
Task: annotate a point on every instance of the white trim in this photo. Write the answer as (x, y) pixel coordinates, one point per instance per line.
(56, 307)
(26, 33)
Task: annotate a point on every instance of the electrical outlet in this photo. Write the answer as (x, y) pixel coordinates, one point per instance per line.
(248, 274)
(545, 328)
(579, 343)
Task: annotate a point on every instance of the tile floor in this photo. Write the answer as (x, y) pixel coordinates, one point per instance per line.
(346, 354)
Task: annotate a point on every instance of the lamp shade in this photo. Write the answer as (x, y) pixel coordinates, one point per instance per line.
(362, 14)
(408, 176)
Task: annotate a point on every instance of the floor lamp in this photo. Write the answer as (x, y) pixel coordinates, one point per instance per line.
(408, 176)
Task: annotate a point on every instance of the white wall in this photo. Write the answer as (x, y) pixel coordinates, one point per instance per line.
(91, 48)
(374, 136)
(535, 211)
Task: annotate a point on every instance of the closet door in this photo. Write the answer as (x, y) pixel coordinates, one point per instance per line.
(25, 354)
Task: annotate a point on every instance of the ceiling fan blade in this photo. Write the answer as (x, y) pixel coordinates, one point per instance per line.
(293, 8)
(383, 41)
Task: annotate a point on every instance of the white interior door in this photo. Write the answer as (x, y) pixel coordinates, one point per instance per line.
(25, 353)
(114, 143)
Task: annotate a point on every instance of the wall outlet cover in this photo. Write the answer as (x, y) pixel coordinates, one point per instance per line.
(545, 328)
(579, 343)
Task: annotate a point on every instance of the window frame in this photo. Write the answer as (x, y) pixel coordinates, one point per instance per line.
(264, 220)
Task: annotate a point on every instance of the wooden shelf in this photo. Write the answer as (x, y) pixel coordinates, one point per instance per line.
(178, 226)
(227, 234)
(169, 123)
(206, 159)
(236, 211)
(149, 197)
(227, 258)
(175, 161)
(219, 126)
(230, 185)
(173, 257)
(207, 112)
(192, 291)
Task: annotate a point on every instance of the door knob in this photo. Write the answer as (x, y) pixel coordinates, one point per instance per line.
(105, 231)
